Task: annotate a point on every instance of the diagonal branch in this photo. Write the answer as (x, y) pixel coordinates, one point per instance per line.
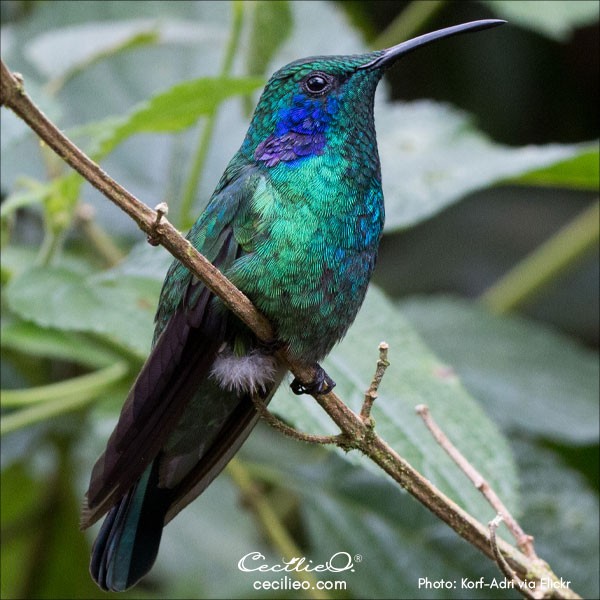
(524, 541)
(360, 436)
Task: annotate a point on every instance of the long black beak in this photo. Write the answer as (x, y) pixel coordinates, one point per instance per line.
(391, 54)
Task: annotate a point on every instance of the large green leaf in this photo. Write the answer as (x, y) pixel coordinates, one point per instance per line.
(580, 172)
(173, 110)
(432, 156)
(415, 376)
(556, 20)
(63, 299)
(531, 379)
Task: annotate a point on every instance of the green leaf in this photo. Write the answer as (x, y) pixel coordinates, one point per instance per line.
(561, 512)
(42, 403)
(415, 376)
(63, 299)
(556, 20)
(580, 172)
(529, 378)
(58, 197)
(174, 110)
(17, 259)
(31, 339)
(432, 156)
(35, 193)
(271, 26)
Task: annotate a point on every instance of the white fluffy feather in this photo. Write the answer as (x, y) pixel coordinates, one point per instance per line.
(249, 373)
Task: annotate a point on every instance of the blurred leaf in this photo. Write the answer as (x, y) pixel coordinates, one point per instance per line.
(58, 197)
(35, 193)
(62, 299)
(555, 20)
(271, 26)
(43, 403)
(52, 52)
(32, 339)
(532, 380)
(144, 260)
(580, 172)
(17, 259)
(63, 197)
(176, 109)
(432, 156)
(19, 512)
(415, 376)
(561, 512)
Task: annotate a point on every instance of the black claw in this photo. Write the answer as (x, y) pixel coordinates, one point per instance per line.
(321, 384)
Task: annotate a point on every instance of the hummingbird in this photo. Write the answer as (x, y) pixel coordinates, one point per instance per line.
(294, 222)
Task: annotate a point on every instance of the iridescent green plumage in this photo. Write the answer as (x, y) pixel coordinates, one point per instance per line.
(295, 223)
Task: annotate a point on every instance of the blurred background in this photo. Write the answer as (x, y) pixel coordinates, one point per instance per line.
(505, 177)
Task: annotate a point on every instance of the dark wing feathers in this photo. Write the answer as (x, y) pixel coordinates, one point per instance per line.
(190, 329)
(231, 437)
(154, 405)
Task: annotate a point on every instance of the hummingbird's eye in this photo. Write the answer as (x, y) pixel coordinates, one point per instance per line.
(317, 83)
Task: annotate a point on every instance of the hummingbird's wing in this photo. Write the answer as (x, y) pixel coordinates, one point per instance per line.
(190, 330)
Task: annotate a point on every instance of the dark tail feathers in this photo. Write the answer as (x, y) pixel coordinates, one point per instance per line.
(128, 542)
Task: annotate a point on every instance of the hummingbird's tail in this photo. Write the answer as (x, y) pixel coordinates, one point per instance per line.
(128, 541)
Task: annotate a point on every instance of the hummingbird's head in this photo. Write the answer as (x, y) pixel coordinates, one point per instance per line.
(308, 102)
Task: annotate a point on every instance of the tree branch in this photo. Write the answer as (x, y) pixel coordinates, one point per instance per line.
(524, 541)
(360, 436)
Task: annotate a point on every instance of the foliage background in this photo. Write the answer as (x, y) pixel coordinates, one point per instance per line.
(517, 392)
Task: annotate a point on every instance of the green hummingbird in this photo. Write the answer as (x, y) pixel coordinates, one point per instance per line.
(295, 223)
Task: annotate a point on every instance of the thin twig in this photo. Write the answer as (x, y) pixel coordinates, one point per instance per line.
(284, 428)
(361, 437)
(501, 562)
(524, 541)
(371, 393)
(101, 242)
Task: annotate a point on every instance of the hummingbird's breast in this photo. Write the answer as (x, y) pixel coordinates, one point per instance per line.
(311, 259)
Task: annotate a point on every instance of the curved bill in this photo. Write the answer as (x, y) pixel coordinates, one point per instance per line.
(391, 54)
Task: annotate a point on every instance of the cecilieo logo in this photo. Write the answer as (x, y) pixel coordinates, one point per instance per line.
(256, 562)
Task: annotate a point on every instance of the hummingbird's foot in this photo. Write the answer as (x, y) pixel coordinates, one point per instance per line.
(321, 384)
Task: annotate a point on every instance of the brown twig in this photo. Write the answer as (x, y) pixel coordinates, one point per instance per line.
(371, 393)
(524, 541)
(502, 564)
(275, 422)
(97, 237)
(356, 431)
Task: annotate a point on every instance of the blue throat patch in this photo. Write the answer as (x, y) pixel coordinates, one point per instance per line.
(300, 131)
